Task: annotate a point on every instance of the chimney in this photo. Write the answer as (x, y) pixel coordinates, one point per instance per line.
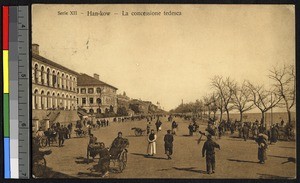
(35, 49)
(96, 76)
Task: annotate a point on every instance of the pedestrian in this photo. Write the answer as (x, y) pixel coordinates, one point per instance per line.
(61, 135)
(191, 129)
(104, 160)
(274, 134)
(107, 122)
(70, 126)
(261, 140)
(151, 150)
(158, 125)
(245, 131)
(208, 150)
(169, 144)
(174, 127)
(148, 128)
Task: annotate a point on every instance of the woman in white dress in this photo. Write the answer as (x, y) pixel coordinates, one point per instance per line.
(151, 150)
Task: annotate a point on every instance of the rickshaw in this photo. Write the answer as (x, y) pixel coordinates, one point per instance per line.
(120, 158)
(39, 163)
(138, 131)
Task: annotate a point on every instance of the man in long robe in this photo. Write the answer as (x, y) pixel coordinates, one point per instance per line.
(151, 150)
(169, 144)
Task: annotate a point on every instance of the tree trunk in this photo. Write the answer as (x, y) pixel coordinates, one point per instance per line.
(262, 120)
(289, 116)
(221, 115)
(227, 112)
(241, 116)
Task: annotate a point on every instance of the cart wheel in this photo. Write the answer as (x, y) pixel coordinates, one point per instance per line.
(136, 133)
(87, 156)
(43, 142)
(39, 167)
(122, 161)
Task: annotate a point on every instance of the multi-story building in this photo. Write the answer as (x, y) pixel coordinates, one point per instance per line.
(95, 96)
(54, 91)
(53, 85)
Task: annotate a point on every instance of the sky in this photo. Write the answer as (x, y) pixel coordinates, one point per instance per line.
(168, 59)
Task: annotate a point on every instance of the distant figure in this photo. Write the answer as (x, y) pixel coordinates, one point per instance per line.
(245, 130)
(70, 126)
(151, 150)
(61, 135)
(209, 150)
(92, 140)
(261, 140)
(148, 128)
(104, 160)
(174, 127)
(282, 122)
(168, 144)
(158, 125)
(274, 134)
(191, 129)
(39, 133)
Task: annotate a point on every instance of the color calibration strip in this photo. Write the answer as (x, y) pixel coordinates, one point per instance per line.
(13, 91)
(5, 47)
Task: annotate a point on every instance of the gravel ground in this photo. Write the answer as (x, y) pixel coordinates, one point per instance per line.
(236, 159)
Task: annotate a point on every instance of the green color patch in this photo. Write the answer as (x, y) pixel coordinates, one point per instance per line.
(6, 114)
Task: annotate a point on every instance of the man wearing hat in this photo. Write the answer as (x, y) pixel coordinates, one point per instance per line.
(209, 150)
(169, 144)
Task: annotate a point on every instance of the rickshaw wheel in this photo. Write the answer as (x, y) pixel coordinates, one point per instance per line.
(122, 161)
(136, 133)
(43, 142)
(39, 167)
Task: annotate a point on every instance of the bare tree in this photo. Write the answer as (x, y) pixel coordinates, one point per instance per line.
(207, 104)
(285, 84)
(242, 99)
(263, 99)
(224, 90)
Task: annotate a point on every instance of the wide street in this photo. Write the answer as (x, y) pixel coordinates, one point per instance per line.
(236, 159)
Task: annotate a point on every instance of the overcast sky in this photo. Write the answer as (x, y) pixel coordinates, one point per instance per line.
(168, 58)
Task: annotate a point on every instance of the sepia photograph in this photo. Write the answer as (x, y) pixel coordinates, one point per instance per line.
(179, 91)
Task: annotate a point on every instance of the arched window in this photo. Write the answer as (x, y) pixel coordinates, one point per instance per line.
(67, 81)
(91, 111)
(48, 100)
(53, 100)
(43, 75)
(42, 100)
(62, 81)
(71, 83)
(98, 100)
(36, 92)
(36, 74)
(58, 80)
(54, 79)
(48, 77)
(58, 101)
(98, 110)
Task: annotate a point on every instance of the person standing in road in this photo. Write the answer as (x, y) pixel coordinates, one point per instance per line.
(151, 150)
(209, 150)
(191, 129)
(61, 134)
(169, 144)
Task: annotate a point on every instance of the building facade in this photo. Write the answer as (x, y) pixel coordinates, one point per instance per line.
(53, 85)
(95, 96)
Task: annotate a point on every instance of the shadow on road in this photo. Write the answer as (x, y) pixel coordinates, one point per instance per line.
(289, 159)
(89, 174)
(49, 173)
(190, 169)
(287, 147)
(146, 156)
(268, 176)
(241, 161)
(82, 160)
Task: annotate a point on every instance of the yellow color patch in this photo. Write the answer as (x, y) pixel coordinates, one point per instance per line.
(5, 72)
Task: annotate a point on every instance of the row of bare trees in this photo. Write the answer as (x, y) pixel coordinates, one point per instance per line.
(227, 95)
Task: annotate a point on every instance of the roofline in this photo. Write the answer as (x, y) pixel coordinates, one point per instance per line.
(103, 83)
(53, 63)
